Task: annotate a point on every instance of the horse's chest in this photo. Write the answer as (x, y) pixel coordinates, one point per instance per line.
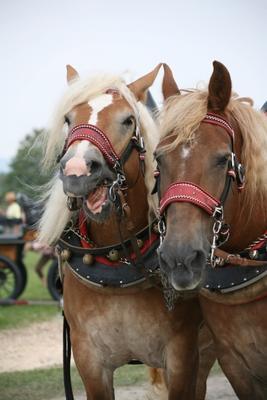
(123, 329)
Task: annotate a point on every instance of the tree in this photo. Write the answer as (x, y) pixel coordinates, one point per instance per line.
(26, 173)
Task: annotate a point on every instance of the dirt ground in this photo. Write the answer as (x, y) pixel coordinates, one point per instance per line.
(27, 348)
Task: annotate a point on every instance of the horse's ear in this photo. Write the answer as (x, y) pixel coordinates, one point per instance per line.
(169, 86)
(72, 74)
(220, 87)
(141, 85)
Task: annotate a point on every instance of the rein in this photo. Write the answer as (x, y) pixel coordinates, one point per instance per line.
(189, 192)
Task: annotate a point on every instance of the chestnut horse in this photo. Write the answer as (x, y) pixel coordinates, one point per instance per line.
(205, 136)
(98, 211)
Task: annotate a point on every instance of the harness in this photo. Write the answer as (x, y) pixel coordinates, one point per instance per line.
(72, 236)
(182, 191)
(123, 264)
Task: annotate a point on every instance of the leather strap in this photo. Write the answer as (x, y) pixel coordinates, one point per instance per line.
(235, 259)
(215, 119)
(190, 193)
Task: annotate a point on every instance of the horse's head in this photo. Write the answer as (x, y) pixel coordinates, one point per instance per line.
(195, 158)
(102, 132)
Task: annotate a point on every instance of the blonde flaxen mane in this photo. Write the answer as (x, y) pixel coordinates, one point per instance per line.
(182, 115)
(56, 214)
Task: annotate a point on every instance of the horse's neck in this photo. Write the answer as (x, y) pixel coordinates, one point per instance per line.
(115, 227)
(245, 227)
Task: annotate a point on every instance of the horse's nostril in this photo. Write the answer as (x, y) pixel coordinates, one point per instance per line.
(196, 260)
(94, 166)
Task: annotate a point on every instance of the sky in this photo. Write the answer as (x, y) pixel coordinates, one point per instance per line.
(38, 38)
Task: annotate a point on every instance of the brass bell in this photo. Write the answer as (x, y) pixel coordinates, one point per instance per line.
(88, 259)
(113, 255)
(155, 228)
(140, 243)
(65, 255)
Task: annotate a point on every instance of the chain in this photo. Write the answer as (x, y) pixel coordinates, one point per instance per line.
(170, 294)
(81, 236)
(117, 184)
(217, 226)
(161, 229)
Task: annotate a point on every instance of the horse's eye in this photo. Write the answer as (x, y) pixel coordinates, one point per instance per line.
(221, 161)
(66, 120)
(129, 121)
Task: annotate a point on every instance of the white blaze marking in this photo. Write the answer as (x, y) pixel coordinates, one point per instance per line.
(97, 105)
(185, 151)
(81, 148)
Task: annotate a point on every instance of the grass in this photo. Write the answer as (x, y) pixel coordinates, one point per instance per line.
(47, 384)
(19, 316)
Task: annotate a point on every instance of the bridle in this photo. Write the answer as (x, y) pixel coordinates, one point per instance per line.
(98, 138)
(116, 188)
(189, 192)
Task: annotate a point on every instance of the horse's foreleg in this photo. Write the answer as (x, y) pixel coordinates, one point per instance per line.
(207, 357)
(181, 369)
(97, 379)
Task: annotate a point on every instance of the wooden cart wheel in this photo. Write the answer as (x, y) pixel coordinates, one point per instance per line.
(53, 283)
(11, 284)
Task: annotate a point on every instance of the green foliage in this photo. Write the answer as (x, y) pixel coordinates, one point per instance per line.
(26, 173)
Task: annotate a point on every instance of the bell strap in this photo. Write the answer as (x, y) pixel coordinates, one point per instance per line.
(188, 192)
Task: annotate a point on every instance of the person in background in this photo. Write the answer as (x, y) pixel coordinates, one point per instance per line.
(47, 254)
(14, 213)
(13, 209)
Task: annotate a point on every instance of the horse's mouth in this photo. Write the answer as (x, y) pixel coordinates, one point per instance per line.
(97, 199)
(93, 197)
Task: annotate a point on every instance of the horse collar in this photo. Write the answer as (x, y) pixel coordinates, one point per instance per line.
(108, 266)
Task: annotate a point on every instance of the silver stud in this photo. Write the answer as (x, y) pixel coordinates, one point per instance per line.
(244, 279)
(121, 281)
(207, 286)
(253, 254)
(77, 269)
(101, 281)
(232, 283)
(218, 286)
(88, 276)
(257, 271)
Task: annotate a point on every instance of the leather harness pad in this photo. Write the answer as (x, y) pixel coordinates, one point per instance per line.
(231, 278)
(119, 274)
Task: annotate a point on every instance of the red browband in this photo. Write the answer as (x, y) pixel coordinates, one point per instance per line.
(95, 136)
(215, 119)
(190, 193)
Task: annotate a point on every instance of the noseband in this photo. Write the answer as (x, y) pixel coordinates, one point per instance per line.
(98, 138)
(94, 135)
(189, 192)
